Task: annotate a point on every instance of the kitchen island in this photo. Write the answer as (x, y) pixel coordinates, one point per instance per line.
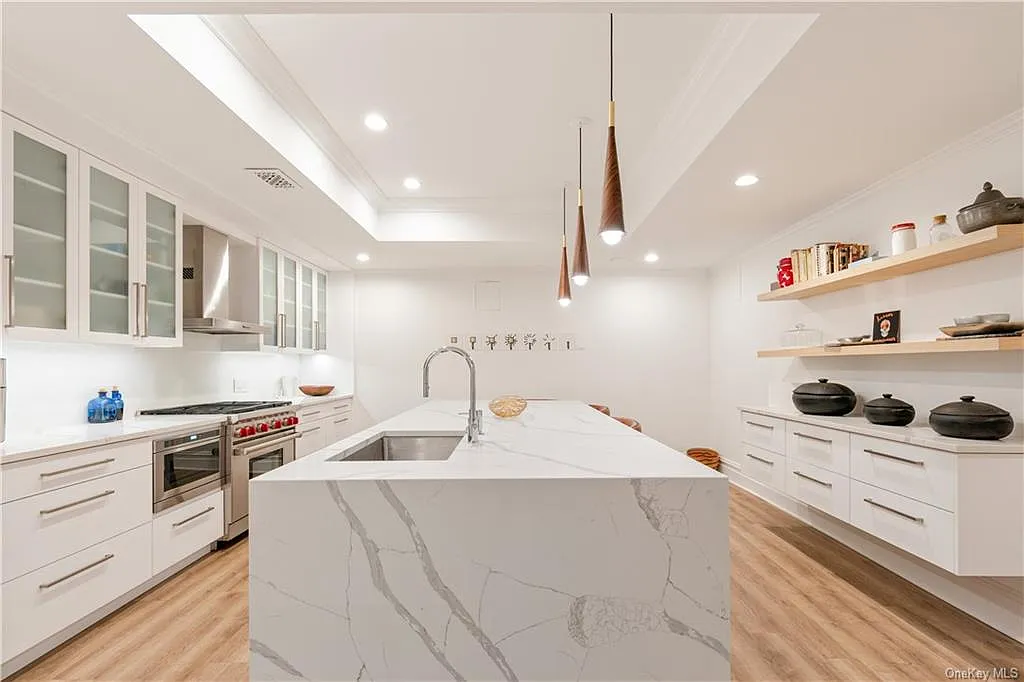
(561, 546)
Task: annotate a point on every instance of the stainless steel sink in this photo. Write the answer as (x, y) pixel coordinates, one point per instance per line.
(395, 448)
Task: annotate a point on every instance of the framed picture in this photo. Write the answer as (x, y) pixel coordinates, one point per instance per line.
(886, 328)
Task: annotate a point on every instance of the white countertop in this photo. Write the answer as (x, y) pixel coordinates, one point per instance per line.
(307, 400)
(913, 434)
(41, 442)
(551, 439)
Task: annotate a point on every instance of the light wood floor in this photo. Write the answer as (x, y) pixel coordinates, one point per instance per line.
(805, 608)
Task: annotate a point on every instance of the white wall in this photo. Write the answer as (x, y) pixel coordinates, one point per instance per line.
(644, 340)
(739, 325)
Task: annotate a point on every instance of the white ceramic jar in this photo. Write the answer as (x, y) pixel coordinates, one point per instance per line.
(904, 238)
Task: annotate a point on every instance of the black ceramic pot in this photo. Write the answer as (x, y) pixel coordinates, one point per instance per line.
(968, 419)
(823, 398)
(889, 411)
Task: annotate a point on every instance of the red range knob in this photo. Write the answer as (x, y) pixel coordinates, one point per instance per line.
(277, 423)
(295, 420)
(263, 428)
(250, 430)
(239, 432)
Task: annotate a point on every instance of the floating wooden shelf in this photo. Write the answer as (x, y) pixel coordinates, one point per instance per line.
(978, 244)
(1006, 343)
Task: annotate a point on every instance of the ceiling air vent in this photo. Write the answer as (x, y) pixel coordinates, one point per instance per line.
(274, 177)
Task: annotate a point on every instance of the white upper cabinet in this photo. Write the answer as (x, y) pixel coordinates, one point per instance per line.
(40, 182)
(293, 302)
(320, 312)
(159, 273)
(109, 301)
(90, 251)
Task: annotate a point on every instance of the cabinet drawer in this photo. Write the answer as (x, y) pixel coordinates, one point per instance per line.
(340, 428)
(312, 437)
(764, 432)
(47, 527)
(922, 474)
(34, 476)
(820, 488)
(187, 528)
(45, 601)
(816, 445)
(764, 466)
(915, 527)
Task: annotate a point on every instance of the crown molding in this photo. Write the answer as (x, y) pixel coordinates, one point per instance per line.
(248, 46)
(982, 137)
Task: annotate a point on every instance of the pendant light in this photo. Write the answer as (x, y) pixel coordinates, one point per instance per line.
(564, 294)
(612, 226)
(581, 260)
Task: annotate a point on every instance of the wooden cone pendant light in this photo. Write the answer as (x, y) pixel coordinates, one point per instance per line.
(564, 294)
(612, 225)
(581, 260)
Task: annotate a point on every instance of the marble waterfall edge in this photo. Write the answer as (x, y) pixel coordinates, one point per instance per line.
(476, 579)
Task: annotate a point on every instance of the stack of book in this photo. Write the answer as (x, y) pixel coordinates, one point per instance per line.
(824, 259)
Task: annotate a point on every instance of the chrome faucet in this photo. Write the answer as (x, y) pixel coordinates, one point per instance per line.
(475, 416)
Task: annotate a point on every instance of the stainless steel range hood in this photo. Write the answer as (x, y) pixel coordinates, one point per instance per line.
(206, 285)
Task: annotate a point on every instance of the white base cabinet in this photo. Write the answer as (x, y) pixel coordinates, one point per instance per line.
(79, 534)
(322, 424)
(959, 510)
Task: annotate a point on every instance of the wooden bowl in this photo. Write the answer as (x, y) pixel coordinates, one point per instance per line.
(705, 456)
(507, 406)
(316, 391)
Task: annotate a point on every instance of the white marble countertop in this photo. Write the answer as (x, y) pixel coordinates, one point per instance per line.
(913, 434)
(551, 439)
(307, 400)
(46, 441)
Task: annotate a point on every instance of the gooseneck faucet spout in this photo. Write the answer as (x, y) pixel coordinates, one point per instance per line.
(474, 429)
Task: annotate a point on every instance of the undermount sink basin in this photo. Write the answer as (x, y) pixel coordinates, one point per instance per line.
(394, 448)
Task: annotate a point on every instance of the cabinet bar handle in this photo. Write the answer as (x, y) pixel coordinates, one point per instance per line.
(812, 479)
(310, 414)
(763, 426)
(72, 574)
(897, 512)
(192, 518)
(75, 504)
(138, 307)
(341, 421)
(145, 309)
(316, 335)
(58, 472)
(898, 459)
(755, 457)
(315, 428)
(282, 322)
(804, 435)
(9, 320)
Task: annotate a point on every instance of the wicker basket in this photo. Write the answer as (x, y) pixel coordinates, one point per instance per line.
(705, 456)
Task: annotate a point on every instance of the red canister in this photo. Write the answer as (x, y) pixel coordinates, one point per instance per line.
(785, 274)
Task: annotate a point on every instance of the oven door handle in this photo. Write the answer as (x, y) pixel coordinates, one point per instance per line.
(261, 447)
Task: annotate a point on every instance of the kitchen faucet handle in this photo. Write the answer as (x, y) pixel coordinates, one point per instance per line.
(479, 421)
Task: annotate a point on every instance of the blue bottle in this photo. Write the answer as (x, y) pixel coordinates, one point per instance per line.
(100, 409)
(115, 397)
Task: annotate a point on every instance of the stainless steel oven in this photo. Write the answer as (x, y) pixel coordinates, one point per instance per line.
(257, 444)
(187, 465)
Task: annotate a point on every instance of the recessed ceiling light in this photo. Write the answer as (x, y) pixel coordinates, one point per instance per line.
(362, 257)
(651, 257)
(411, 183)
(375, 122)
(746, 180)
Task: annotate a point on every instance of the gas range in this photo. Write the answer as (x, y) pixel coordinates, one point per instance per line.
(226, 407)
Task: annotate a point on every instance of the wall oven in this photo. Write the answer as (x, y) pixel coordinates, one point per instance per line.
(187, 465)
(256, 445)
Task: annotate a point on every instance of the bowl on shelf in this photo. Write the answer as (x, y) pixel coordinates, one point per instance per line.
(966, 319)
(507, 406)
(992, 318)
(316, 391)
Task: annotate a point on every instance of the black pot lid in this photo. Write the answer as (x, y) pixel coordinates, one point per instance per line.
(968, 408)
(987, 194)
(887, 401)
(823, 388)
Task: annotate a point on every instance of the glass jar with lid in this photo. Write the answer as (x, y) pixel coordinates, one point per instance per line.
(801, 337)
(940, 230)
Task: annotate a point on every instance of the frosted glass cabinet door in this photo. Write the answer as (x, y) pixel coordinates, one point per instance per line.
(307, 341)
(321, 311)
(106, 272)
(270, 304)
(289, 300)
(161, 292)
(40, 175)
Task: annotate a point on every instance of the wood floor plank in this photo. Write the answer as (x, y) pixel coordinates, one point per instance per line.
(805, 609)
